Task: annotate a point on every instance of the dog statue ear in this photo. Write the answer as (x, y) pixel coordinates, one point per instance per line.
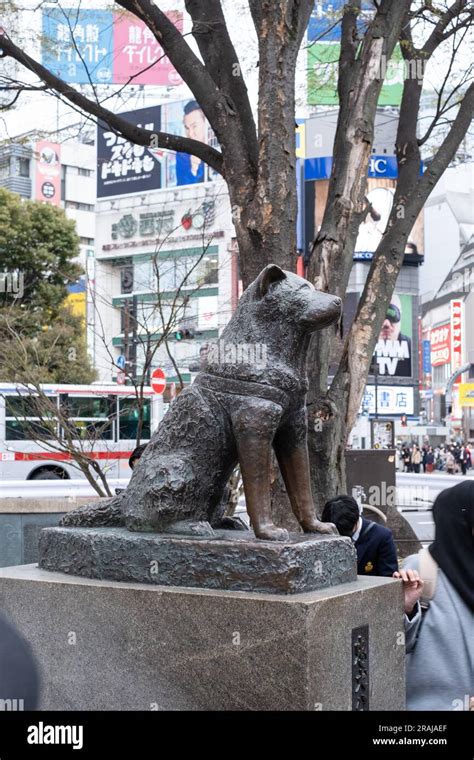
(272, 273)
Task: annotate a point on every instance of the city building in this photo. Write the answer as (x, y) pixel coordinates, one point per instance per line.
(165, 266)
(449, 224)
(448, 345)
(392, 388)
(58, 170)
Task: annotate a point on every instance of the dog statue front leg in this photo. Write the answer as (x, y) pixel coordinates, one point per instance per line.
(254, 428)
(291, 449)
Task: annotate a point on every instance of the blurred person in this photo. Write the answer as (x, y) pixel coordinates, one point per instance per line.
(376, 552)
(424, 456)
(450, 463)
(468, 458)
(415, 459)
(429, 460)
(439, 607)
(406, 459)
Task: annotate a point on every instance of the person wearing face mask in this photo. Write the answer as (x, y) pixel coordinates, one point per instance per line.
(439, 608)
(376, 552)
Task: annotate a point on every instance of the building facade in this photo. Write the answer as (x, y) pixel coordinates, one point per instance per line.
(61, 171)
(448, 345)
(165, 279)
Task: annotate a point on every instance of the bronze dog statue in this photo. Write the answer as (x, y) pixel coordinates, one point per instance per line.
(250, 397)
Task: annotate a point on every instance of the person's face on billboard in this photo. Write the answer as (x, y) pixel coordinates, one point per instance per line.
(195, 125)
(392, 322)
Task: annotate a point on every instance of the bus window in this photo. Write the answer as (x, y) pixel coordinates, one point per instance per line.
(27, 418)
(128, 419)
(91, 407)
(28, 429)
(90, 418)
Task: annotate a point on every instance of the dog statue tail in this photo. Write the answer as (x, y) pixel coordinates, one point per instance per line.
(103, 513)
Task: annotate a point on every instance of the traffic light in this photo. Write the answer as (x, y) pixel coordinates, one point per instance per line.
(403, 420)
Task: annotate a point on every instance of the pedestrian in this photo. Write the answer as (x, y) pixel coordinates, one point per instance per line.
(376, 552)
(430, 460)
(406, 459)
(450, 463)
(424, 458)
(415, 459)
(439, 630)
(468, 458)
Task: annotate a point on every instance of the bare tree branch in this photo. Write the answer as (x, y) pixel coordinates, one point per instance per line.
(131, 132)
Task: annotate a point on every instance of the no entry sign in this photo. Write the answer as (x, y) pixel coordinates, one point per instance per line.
(158, 380)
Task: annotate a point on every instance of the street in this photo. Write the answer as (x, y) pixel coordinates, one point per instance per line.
(414, 491)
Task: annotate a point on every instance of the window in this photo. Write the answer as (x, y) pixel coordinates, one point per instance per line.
(143, 276)
(129, 416)
(86, 241)
(84, 172)
(188, 272)
(5, 169)
(86, 406)
(79, 206)
(27, 418)
(24, 167)
(89, 416)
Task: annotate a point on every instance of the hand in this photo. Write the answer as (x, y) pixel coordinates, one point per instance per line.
(412, 588)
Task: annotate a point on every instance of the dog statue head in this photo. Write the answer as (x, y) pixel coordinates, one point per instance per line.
(287, 296)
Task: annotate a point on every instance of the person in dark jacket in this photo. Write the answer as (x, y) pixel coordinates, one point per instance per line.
(376, 552)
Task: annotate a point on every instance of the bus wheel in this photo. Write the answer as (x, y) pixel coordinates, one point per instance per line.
(46, 473)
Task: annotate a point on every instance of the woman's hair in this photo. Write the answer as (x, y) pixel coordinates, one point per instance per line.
(136, 454)
(453, 547)
(343, 511)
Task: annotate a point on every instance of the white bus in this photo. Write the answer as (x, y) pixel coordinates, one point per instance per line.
(105, 417)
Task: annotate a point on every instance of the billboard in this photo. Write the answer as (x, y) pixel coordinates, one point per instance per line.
(466, 394)
(380, 194)
(394, 350)
(457, 312)
(94, 46)
(391, 399)
(372, 228)
(124, 168)
(440, 345)
(324, 34)
(137, 53)
(48, 172)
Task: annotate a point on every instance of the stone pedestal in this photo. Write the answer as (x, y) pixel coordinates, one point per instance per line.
(104, 645)
(231, 560)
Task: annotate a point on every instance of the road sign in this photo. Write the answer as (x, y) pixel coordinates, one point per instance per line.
(121, 377)
(158, 380)
(120, 361)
